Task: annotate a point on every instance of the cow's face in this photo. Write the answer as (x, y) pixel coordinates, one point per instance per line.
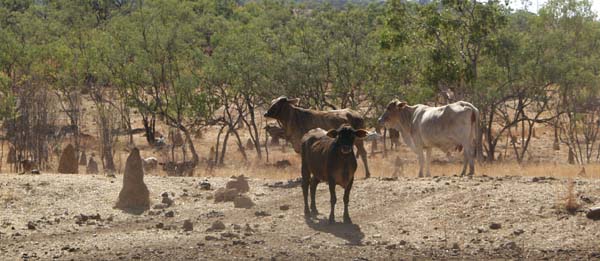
(344, 137)
(278, 105)
(391, 116)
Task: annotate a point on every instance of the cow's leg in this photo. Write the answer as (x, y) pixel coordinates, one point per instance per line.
(363, 154)
(421, 162)
(347, 219)
(427, 161)
(313, 190)
(333, 200)
(466, 152)
(471, 156)
(305, 183)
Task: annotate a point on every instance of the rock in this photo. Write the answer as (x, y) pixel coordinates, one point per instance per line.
(160, 206)
(209, 238)
(240, 183)
(455, 246)
(509, 245)
(518, 232)
(594, 213)
(204, 185)
(225, 194)
(92, 166)
(583, 198)
(83, 159)
(284, 207)
(217, 225)
(228, 234)
(261, 213)
(31, 225)
(242, 201)
(495, 225)
(68, 161)
(168, 201)
(535, 179)
(170, 214)
(134, 193)
(188, 225)
(160, 225)
(35, 171)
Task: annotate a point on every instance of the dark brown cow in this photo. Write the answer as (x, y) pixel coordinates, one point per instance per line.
(329, 157)
(297, 121)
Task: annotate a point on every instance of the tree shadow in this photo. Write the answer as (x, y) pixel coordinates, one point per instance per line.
(348, 232)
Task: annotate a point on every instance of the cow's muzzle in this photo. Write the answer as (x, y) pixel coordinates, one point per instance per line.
(346, 149)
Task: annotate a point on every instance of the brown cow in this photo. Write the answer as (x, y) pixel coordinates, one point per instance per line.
(329, 157)
(297, 121)
(276, 133)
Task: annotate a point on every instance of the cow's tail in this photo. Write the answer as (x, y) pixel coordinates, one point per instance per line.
(475, 130)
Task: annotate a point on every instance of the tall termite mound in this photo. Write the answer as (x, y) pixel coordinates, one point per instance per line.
(68, 163)
(134, 194)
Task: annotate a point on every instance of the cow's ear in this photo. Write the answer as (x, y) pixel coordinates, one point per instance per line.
(332, 133)
(361, 133)
(294, 101)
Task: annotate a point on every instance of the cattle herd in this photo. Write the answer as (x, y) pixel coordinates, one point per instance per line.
(325, 140)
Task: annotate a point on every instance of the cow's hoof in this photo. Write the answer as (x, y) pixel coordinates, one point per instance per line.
(347, 220)
(314, 212)
(331, 220)
(306, 212)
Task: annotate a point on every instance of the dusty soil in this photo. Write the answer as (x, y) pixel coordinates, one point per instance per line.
(71, 217)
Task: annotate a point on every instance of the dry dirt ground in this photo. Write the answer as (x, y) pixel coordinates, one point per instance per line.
(71, 217)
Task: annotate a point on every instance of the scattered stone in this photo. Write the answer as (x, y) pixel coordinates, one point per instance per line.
(204, 185)
(168, 201)
(242, 201)
(518, 232)
(262, 213)
(188, 225)
(68, 161)
(35, 171)
(209, 238)
(455, 246)
(134, 194)
(228, 234)
(160, 225)
(495, 225)
(170, 213)
(594, 213)
(239, 183)
(292, 183)
(284, 207)
(583, 198)
(535, 179)
(160, 206)
(225, 194)
(217, 225)
(31, 225)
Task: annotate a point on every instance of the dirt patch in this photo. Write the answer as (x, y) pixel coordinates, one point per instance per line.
(71, 217)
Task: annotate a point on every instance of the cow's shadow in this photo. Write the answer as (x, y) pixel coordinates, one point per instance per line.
(349, 232)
